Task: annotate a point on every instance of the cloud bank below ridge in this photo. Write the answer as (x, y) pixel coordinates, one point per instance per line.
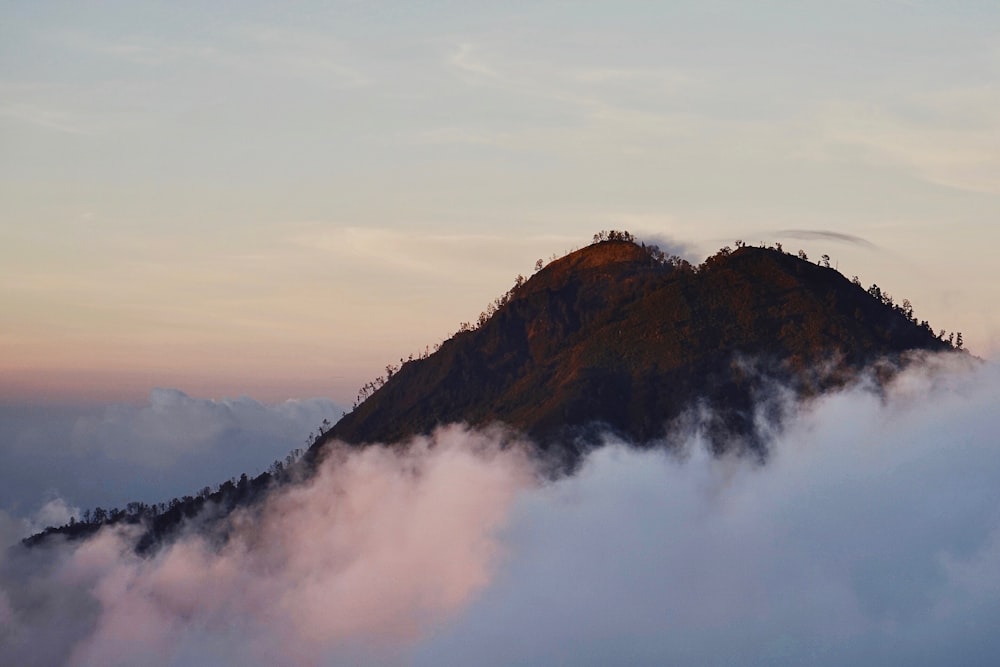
(871, 536)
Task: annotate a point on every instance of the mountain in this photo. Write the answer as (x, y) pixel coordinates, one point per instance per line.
(616, 337)
(620, 337)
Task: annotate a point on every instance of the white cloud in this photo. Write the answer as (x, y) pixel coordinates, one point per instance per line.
(379, 548)
(870, 537)
(55, 512)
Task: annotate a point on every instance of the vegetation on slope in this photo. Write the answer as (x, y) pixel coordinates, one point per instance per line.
(619, 337)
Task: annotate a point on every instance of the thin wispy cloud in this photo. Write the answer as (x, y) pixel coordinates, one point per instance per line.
(245, 48)
(465, 59)
(442, 254)
(826, 235)
(58, 120)
(140, 50)
(646, 76)
(948, 144)
(301, 53)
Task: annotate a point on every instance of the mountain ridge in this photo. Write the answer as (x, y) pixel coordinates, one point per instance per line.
(614, 338)
(619, 335)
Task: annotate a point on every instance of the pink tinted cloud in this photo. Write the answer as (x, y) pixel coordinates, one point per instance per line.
(381, 546)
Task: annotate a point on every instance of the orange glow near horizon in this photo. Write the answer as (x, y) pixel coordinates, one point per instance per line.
(296, 333)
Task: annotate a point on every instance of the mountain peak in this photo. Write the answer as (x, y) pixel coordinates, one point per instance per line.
(603, 254)
(621, 336)
(593, 264)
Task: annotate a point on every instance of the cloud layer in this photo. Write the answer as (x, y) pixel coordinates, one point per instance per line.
(173, 445)
(872, 536)
(363, 560)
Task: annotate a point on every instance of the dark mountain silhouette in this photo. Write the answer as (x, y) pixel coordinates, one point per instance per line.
(616, 337)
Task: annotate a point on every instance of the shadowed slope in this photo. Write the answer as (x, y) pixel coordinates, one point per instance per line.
(609, 335)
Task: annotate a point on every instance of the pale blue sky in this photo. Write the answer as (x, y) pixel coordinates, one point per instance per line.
(277, 199)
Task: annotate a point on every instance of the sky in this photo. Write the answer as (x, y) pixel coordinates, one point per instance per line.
(218, 220)
(275, 200)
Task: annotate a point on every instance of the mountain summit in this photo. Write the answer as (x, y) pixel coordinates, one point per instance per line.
(619, 336)
(614, 338)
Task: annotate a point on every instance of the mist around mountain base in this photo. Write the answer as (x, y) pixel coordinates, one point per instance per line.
(871, 535)
(57, 460)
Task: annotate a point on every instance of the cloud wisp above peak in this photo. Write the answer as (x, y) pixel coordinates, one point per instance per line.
(826, 235)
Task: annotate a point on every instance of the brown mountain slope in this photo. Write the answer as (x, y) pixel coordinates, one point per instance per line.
(612, 335)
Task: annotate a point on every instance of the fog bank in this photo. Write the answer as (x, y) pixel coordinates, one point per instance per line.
(870, 537)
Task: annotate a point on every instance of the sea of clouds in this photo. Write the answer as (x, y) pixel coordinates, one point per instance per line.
(56, 460)
(870, 536)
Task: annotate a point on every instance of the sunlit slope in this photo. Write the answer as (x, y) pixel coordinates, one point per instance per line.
(615, 335)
